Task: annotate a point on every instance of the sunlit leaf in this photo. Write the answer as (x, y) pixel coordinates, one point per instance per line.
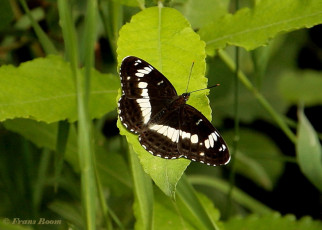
(43, 89)
(200, 13)
(272, 221)
(308, 151)
(251, 28)
(171, 48)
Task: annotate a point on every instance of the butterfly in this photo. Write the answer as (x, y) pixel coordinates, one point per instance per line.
(167, 127)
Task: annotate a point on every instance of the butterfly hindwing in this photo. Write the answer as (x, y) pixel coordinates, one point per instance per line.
(161, 136)
(136, 113)
(199, 140)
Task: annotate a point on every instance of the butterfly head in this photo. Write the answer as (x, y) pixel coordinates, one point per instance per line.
(186, 96)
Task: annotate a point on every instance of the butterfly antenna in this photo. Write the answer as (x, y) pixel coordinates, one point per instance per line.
(193, 63)
(205, 88)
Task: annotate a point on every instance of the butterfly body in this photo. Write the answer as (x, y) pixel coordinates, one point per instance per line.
(166, 125)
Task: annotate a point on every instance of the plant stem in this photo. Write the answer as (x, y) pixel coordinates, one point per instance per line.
(261, 99)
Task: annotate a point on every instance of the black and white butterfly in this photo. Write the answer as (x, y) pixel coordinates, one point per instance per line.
(166, 125)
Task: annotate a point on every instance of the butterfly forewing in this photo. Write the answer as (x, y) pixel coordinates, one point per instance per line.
(140, 79)
(142, 87)
(167, 126)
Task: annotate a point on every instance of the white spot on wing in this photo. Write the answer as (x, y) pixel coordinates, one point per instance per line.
(214, 136)
(167, 131)
(155, 127)
(142, 85)
(170, 132)
(163, 130)
(198, 121)
(142, 100)
(146, 112)
(185, 135)
(139, 74)
(145, 106)
(148, 69)
(194, 138)
(144, 93)
(207, 144)
(211, 140)
(159, 83)
(144, 71)
(175, 136)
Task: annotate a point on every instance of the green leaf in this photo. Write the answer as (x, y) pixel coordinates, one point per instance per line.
(6, 14)
(111, 167)
(143, 206)
(251, 28)
(304, 86)
(175, 215)
(43, 89)
(189, 198)
(69, 212)
(308, 151)
(258, 158)
(237, 195)
(45, 135)
(163, 37)
(272, 221)
(200, 13)
(132, 3)
(223, 96)
(167, 216)
(8, 224)
(113, 171)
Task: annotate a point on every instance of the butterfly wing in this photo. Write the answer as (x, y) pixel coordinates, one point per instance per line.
(145, 91)
(199, 140)
(140, 79)
(161, 136)
(184, 132)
